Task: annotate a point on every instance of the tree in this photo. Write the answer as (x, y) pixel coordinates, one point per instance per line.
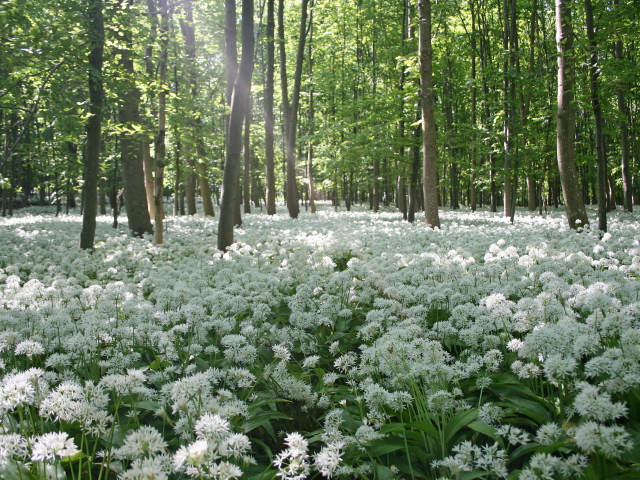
(195, 124)
(239, 101)
(429, 168)
(130, 140)
(269, 120)
(290, 111)
(94, 124)
(160, 141)
(565, 116)
(594, 81)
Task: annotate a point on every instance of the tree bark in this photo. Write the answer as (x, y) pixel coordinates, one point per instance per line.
(429, 166)
(239, 97)
(576, 213)
(601, 160)
(188, 31)
(147, 159)
(94, 125)
(291, 113)
(160, 146)
(246, 177)
(623, 123)
(131, 146)
(269, 121)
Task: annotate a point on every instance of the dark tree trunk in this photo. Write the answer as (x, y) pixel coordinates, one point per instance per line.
(94, 125)
(601, 159)
(246, 178)
(269, 121)
(240, 95)
(131, 146)
(429, 166)
(576, 213)
(291, 113)
(160, 145)
(623, 122)
(188, 31)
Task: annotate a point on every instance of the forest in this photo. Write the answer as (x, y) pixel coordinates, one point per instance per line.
(311, 239)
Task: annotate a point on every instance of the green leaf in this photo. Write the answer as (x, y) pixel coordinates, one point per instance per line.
(532, 409)
(459, 421)
(383, 473)
(55, 472)
(386, 445)
(426, 427)
(148, 405)
(261, 418)
(485, 429)
(12, 470)
(472, 475)
(158, 364)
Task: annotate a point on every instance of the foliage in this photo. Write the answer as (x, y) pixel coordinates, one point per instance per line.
(371, 347)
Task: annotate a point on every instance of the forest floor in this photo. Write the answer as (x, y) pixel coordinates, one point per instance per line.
(342, 343)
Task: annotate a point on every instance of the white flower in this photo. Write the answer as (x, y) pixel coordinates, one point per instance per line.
(143, 442)
(548, 433)
(148, 468)
(212, 427)
(12, 445)
(611, 441)
(515, 344)
(51, 445)
(194, 454)
(29, 348)
(311, 362)
(292, 463)
(596, 405)
(328, 459)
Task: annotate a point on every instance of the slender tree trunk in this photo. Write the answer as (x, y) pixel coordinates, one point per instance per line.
(246, 178)
(269, 121)
(474, 108)
(576, 213)
(190, 187)
(311, 191)
(510, 46)
(130, 145)
(376, 185)
(623, 122)
(94, 124)
(240, 95)
(599, 121)
(291, 119)
(429, 166)
(188, 31)
(147, 159)
(414, 190)
(160, 146)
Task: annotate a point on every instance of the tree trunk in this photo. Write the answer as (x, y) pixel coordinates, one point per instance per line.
(291, 113)
(414, 190)
(131, 146)
(601, 159)
(160, 146)
(246, 178)
(576, 213)
(147, 159)
(188, 31)
(190, 187)
(240, 95)
(94, 124)
(269, 121)
(429, 167)
(510, 46)
(623, 122)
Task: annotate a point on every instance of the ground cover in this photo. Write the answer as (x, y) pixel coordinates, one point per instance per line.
(346, 345)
